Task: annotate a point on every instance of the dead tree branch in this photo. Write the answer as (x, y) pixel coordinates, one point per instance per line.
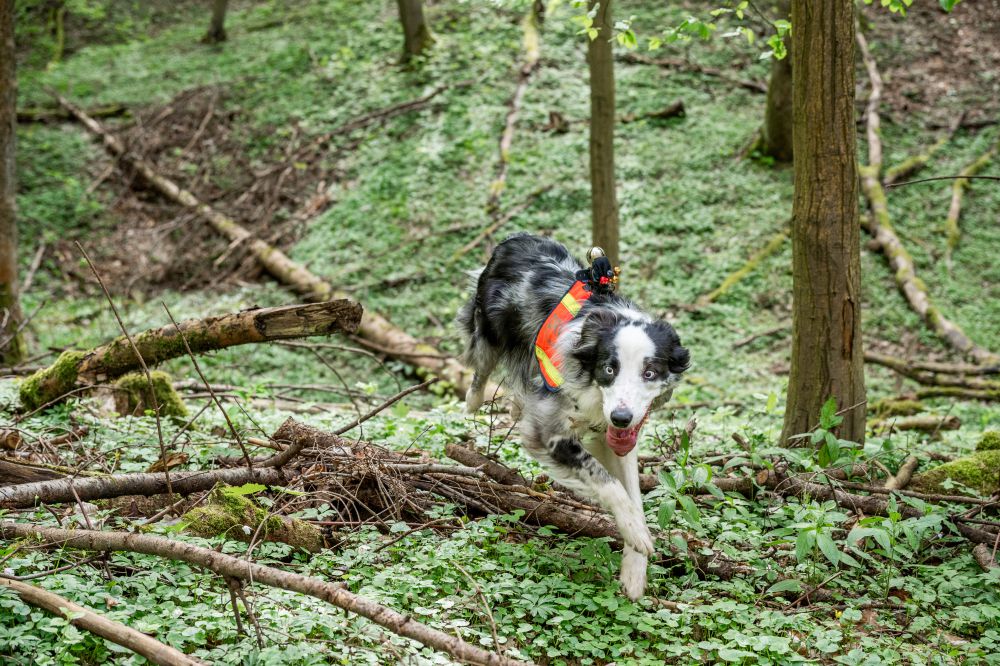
(293, 275)
(687, 66)
(244, 570)
(84, 618)
(118, 357)
(958, 186)
(879, 225)
(774, 244)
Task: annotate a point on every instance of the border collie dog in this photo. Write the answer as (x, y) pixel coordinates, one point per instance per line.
(615, 364)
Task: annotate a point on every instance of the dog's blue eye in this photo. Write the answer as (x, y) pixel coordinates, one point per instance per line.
(609, 370)
(649, 375)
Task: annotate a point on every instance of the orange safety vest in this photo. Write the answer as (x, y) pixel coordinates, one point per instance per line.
(549, 360)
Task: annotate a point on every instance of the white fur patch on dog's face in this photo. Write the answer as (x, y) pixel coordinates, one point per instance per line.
(633, 388)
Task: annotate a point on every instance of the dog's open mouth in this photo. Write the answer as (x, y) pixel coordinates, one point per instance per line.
(623, 440)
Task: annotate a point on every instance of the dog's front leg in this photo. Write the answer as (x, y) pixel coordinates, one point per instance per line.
(571, 465)
(626, 470)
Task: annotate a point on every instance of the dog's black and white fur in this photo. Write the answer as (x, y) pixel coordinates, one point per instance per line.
(618, 364)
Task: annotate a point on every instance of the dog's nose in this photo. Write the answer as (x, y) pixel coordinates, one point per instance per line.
(620, 418)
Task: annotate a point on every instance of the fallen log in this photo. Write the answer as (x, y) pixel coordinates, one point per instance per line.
(958, 186)
(117, 358)
(67, 489)
(251, 572)
(938, 374)
(929, 424)
(293, 275)
(915, 163)
(47, 115)
(86, 619)
(774, 244)
(12, 473)
(879, 225)
(985, 556)
(673, 110)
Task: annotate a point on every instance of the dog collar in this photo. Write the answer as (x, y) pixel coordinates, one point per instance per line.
(549, 359)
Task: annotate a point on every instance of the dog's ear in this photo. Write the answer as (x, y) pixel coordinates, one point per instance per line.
(597, 324)
(680, 359)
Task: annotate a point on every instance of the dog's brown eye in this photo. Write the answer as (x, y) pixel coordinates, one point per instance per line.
(649, 375)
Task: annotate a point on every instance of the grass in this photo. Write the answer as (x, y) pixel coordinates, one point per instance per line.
(691, 214)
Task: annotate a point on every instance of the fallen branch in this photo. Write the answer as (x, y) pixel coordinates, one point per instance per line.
(912, 368)
(687, 66)
(903, 475)
(291, 274)
(86, 619)
(952, 230)
(68, 489)
(932, 377)
(985, 556)
(118, 357)
(244, 570)
(44, 115)
(911, 165)
(957, 393)
(880, 227)
(498, 222)
(929, 424)
(674, 110)
(773, 245)
(12, 473)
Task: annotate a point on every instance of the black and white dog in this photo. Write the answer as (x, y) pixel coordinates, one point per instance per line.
(615, 364)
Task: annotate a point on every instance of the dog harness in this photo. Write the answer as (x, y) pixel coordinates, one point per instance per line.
(599, 278)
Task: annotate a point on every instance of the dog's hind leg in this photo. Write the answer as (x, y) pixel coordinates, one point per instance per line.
(483, 359)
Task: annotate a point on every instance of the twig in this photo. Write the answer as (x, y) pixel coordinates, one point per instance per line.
(929, 180)
(743, 342)
(142, 363)
(36, 261)
(499, 222)
(684, 65)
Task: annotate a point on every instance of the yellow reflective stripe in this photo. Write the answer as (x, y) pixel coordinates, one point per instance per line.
(571, 303)
(550, 370)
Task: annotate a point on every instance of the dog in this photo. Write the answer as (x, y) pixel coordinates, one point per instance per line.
(584, 381)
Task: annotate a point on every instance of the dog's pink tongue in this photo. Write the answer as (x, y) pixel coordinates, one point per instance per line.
(622, 440)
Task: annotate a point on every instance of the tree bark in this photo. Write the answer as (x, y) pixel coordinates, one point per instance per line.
(12, 347)
(241, 569)
(603, 200)
(827, 359)
(86, 619)
(117, 357)
(776, 135)
(217, 28)
(417, 36)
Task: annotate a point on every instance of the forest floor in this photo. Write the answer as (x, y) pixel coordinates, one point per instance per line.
(379, 212)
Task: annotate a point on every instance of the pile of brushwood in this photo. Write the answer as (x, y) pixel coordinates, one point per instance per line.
(366, 484)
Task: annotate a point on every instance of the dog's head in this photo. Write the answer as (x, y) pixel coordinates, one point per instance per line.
(635, 363)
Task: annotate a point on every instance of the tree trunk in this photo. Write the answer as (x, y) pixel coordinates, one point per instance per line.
(12, 349)
(776, 136)
(827, 359)
(217, 28)
(603, 202)
(417, 36)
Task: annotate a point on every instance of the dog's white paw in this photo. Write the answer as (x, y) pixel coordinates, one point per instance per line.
(635, 531)
(633, 575)
(473, 399)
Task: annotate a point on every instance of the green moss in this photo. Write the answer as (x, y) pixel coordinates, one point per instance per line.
(980, 471)
(231, 514)
(990, 441)
(888, 407)
(132, 395)
(52, 382)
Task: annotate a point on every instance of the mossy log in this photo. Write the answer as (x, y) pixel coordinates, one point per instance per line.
(942, 376)
(229, 513)
(951, 228)
(929, 424)
(774, 244)
(295, 276)
(132, 394)
(879, 224)
(889, 407)
(979, 471)
(117, 357)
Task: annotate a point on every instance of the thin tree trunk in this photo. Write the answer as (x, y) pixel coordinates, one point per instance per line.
(827, 359)
(417, 36)
(12, 348)
(776, 137)
(603, 201)
(217, 28)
